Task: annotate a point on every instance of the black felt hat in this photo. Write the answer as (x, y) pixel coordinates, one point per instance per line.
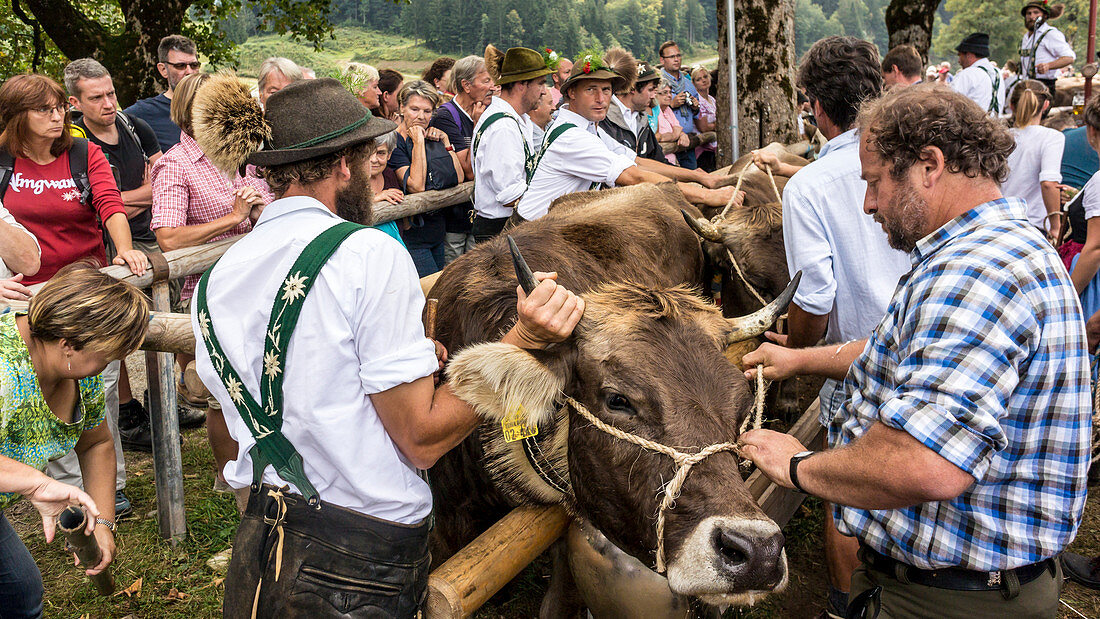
(976, 43)
(313, 118)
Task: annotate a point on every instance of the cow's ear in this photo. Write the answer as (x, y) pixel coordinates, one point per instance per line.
(500, 379)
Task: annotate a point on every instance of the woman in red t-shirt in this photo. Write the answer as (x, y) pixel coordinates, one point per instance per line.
(42, 194)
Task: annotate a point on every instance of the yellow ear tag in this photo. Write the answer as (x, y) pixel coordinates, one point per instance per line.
(515, 427)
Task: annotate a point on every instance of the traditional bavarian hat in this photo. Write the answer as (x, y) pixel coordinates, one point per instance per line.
(646, 73)
(1050, 11)
(976, 43)
(518, 64)
(621, 71)
(313, 118)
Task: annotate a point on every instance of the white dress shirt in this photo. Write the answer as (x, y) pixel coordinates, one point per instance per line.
(630, 117)
(8, 218)
(1037, 158)
(577, 159)
(976, 83)
(360, 333)
(1052, 47)
(499, 173)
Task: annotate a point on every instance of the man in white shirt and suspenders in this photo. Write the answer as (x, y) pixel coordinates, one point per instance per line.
(979, 80)
(574, 156)
(1044, 48)
(338, 513)
(503, 137)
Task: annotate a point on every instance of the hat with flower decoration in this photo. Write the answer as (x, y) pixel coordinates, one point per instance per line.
(1050, 11)
(621, 70)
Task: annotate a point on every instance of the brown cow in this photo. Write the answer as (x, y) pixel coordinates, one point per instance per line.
(646, 358)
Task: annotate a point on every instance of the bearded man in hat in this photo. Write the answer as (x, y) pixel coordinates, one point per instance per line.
(1044, 48)
(503, 136)
(979, 80)
(335, 414)
(575, 156)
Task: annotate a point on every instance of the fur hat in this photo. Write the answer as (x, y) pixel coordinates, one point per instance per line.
(518, 64)
(617, 66)
(227, 122)
(1049, 11)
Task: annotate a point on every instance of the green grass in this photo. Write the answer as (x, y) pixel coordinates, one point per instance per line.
(351, 44)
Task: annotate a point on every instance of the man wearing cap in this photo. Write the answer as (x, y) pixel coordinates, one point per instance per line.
(979, 80)
(574, 156)
(1044, 48)
(503, 137)
(341, 404)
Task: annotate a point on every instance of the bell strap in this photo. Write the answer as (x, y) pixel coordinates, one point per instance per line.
(265, 422)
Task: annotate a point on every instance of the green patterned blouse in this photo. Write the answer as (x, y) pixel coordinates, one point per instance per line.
(29, 431)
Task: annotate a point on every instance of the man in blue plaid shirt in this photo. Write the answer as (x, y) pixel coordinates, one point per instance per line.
(959, 457)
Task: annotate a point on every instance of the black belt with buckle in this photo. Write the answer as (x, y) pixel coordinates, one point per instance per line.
(953, 578)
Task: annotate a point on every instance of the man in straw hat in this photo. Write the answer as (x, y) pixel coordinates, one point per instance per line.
(503, 137)
(343, 408)
(1044, 48)
(979, 80)
(574, 156)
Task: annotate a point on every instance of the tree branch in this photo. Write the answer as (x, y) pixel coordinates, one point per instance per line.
(74, 33)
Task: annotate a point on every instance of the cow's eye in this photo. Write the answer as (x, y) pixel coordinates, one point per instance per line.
(618, 402)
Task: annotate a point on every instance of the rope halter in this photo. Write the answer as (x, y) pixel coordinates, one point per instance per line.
(684, 461)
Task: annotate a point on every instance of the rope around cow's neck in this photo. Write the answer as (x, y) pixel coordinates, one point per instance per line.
(684, 461)
(737, 267)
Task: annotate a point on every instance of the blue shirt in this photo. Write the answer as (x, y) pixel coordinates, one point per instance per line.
(981, 357)
(1079, 160)
(157, 112)
(684, 113)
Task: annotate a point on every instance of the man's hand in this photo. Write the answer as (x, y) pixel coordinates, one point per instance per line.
(441, 357)
(771, 452)
(679, 99)
(392, 195)
(779, 361)
(134, 259)
(12, 289)
(50, 497)
(1092, 331)
(106, 541)
(477, 110)
(1055, 232)
(1066, 193)
(548, 315)
(721, 197)
(684, 140)
(1041, 67)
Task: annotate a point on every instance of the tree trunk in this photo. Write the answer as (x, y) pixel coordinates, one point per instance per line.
(130, 56)
(765, 75)
(910, 21)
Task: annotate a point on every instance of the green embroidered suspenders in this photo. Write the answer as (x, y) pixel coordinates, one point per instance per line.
(994, 100)
(528, 158)
(550, 137)
(1032, 54)
(265, 420)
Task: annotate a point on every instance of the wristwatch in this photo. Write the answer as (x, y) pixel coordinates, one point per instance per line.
(107, 523)
(795, 459)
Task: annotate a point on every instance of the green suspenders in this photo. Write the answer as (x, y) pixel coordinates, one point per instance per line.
(528, 158)
(265, 420)
(550, 137)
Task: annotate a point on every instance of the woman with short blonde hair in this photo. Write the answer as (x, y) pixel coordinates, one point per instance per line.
(52, 402)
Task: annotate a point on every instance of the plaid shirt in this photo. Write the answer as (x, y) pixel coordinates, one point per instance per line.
(189, 190)
(981, 357)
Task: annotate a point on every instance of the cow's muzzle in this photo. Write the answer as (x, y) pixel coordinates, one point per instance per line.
(728, 560)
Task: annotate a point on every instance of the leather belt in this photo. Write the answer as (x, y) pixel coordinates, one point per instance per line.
(953, 578)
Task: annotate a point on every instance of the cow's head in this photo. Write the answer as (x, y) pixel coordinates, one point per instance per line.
(648, 362)
(753, 236)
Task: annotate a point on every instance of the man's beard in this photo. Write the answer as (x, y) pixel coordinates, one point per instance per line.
(1030, 24)
(353, 202)
(909, 214)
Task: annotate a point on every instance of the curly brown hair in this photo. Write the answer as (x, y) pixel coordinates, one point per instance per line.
(903, 123)
(1091, 114)
(280, 177)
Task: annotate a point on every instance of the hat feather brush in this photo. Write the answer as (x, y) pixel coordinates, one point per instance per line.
(494, 60)
(228, 123)
(622, 63)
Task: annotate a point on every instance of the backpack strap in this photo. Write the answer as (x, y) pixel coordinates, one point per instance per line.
(265, 419)
(78, 168)
(7, 167)
(128, 127)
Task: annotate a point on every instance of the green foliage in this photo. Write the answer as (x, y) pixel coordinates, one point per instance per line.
(1005, 27)
(17, 48)
(350, 43)
(811, 25)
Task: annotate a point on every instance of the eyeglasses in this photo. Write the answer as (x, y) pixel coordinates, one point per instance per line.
(180, 66)
(48, 110)
(674, 56)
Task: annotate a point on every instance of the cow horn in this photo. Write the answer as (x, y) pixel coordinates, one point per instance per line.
(523, 272)
(756, 323)
(702, 227)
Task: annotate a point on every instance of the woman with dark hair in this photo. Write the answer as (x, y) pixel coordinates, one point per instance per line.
(1035, 166)
(52, 402)
(439, 75)
(42, 193)
(423, 160)
(389, 83)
